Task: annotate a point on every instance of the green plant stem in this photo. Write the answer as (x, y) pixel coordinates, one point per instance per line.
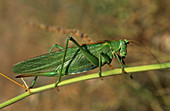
(86, 77)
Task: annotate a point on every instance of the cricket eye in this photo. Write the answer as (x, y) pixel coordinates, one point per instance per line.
(123, 54)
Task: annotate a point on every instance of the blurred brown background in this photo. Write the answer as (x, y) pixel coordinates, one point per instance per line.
(147, 21)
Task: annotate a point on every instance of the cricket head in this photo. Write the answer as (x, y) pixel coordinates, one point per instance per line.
(123, 47)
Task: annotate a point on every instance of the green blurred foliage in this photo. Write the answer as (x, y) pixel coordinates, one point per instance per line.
(146, 21)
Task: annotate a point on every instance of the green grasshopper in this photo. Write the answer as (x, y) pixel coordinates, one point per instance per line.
(73, 60)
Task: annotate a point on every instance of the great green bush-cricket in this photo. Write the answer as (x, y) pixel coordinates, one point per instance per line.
(73, 60)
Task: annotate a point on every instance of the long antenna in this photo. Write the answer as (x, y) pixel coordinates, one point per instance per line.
(140, 46)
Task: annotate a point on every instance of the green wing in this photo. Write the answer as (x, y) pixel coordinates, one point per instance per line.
(75, 61)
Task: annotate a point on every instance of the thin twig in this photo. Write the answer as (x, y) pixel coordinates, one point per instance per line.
(86, 77)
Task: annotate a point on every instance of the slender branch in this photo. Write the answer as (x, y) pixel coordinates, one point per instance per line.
(86, 77)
